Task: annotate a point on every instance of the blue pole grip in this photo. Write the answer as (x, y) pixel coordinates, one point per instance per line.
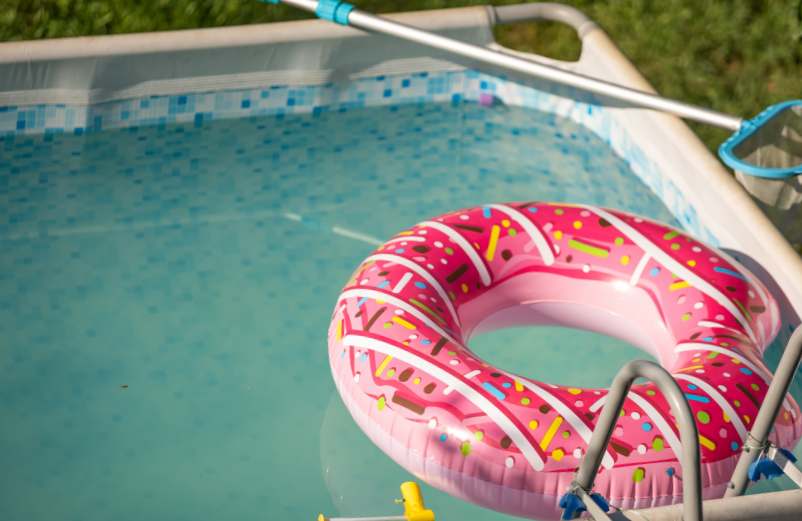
(334, 11)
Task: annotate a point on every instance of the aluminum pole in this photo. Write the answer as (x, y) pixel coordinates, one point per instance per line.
(376, 24)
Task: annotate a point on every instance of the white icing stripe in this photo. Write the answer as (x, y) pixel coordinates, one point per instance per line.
(698, 346)
(402, 283)
(397, 302)
(633, 281)
(403, 238)
(471, 374)
(710, 323)
(758, 286)
(766, 377)
(569, 415)
(537, 237)
(460, 241)
(659, 421)
(653, 415)
(675, 267)
(422, 273)
(719, 399)
(476, 398)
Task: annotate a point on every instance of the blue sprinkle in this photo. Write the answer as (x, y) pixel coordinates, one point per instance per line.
(492, 390)
(383, 284)
(420, 285)
(708, 339)
(506, 385)
(734, 445)
(646, 426)
(692, 387)
(532, 209)
(697, 398)
(443, 437)
(361, 301)
(729, 272)
(486, 212)
(745, 371)
(654, 271)
(363, 357)
(400, 250)
(425, 341)
(670, 471)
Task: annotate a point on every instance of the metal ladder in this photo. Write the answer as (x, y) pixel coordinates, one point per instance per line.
(758, 455)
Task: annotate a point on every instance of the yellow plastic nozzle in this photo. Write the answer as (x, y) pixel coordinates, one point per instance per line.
(414, 508)
(321, 517)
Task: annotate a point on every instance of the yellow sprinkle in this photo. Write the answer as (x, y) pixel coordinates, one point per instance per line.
(555, 425)
(406, 233)
(464, 288)
(382, 365)
(690, 368)
(707, 443)
(558, 235)
(678, 285)
(401, 322)
(491, 246)
(557, 454)
(533, 424)
(574, 391)
(339, 330)
(378, 301)
(624, 260)
(518, 386)
(726, 418)
(686, 316)
(577, 225)
(735, 361)
(505, 223)
(416, 380)
(525, 401)
(691, 263)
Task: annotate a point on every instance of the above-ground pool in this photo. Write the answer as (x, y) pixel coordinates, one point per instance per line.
(169, 264)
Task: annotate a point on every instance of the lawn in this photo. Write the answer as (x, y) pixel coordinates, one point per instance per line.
(736, 56)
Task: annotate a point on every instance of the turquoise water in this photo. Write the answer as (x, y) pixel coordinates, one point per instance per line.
(165, 294)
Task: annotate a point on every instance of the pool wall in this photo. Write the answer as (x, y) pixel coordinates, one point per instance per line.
(97, 83)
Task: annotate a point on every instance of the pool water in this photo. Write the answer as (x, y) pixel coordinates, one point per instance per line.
(165, 294)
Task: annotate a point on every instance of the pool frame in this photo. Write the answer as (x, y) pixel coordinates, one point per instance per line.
(94, 83)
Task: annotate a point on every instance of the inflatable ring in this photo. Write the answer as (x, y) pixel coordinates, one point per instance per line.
(399, 356)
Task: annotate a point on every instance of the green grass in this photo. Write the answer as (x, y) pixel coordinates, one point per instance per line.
(736, 56)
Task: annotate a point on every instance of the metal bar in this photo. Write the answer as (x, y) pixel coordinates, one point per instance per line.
(787, 466)
(691, 480)
(757, 438)
(769, 506)
(595, 511)
(369, 22)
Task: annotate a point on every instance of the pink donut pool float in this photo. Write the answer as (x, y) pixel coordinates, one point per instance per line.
(400, 360)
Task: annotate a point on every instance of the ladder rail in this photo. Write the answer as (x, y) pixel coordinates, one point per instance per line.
(689, 435)
(757, 439)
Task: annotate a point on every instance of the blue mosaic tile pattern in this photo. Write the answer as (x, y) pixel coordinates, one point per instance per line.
(165, 292)
(378, 91)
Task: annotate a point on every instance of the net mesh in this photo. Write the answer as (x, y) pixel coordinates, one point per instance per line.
(776, 143)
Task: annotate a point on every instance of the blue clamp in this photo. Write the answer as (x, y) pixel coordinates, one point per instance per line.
(768, 467)
(334, 11)
(572, 506)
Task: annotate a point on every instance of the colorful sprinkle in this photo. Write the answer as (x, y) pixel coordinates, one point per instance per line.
(638, 474)
(587, 248)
